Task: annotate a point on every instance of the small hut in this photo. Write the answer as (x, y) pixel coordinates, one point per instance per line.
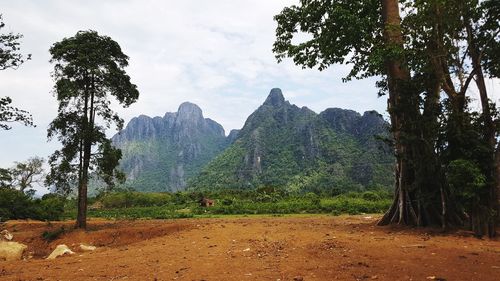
(205, 202)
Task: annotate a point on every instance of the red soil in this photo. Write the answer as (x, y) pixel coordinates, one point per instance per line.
(253, 248)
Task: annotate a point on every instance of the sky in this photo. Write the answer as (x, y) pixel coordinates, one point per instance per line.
(217, 54)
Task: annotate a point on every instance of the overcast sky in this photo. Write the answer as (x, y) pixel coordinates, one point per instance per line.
(215, 53)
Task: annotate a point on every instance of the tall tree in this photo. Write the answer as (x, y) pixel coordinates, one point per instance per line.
(367, 35)
(88, 70)
(10, 57)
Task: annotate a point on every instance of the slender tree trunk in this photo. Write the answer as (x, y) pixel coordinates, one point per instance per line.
(81, 221)
(81, 218)
(497, 180)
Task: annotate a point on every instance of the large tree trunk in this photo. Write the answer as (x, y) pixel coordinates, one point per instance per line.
(403, 210)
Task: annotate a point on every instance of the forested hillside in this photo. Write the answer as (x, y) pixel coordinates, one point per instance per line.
(161, 153)
(282, 145)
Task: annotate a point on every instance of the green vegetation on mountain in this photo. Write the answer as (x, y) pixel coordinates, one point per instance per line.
(284, 146)
(161, 153)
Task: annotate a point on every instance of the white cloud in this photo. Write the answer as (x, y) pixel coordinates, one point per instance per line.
(213, 53)
(216, 54)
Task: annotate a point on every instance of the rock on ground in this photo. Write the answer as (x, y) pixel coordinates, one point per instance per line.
(11, 251)
(60, 250)
(87, 248)
(6, 235)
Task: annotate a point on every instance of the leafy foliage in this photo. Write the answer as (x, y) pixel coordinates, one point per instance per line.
(25, 174)
(468, 183)
(9, 114)
(5, 178)
(11, 58)
(88, 68)
(9, 49)
(342, 31)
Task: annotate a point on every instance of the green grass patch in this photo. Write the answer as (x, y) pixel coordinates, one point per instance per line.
(134, 205)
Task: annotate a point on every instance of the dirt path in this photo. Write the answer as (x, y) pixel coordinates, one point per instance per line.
(269, 248)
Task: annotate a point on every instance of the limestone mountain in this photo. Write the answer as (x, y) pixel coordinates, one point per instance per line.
(282, 145)
(161, 153)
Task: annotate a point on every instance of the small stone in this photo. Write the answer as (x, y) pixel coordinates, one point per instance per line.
(298, 278)
(60, 250)
(87, 248)
(6, 235)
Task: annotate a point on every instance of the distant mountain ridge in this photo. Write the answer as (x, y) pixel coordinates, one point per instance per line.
(282, 145)
(161, 153)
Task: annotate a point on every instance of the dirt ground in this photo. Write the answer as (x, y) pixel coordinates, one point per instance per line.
(253, 248)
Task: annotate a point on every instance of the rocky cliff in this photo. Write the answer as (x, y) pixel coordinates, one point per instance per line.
(161, 153)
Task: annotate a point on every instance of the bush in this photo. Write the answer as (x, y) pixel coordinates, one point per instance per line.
(51, 207)
(14, 204)
(227, 202)
(53, 235)
(370, 196)
(315, 200)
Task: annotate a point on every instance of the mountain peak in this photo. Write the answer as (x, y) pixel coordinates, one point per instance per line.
(188, 109)
(275, 98)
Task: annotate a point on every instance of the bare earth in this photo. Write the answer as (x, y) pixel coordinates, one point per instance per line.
(254, 248)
